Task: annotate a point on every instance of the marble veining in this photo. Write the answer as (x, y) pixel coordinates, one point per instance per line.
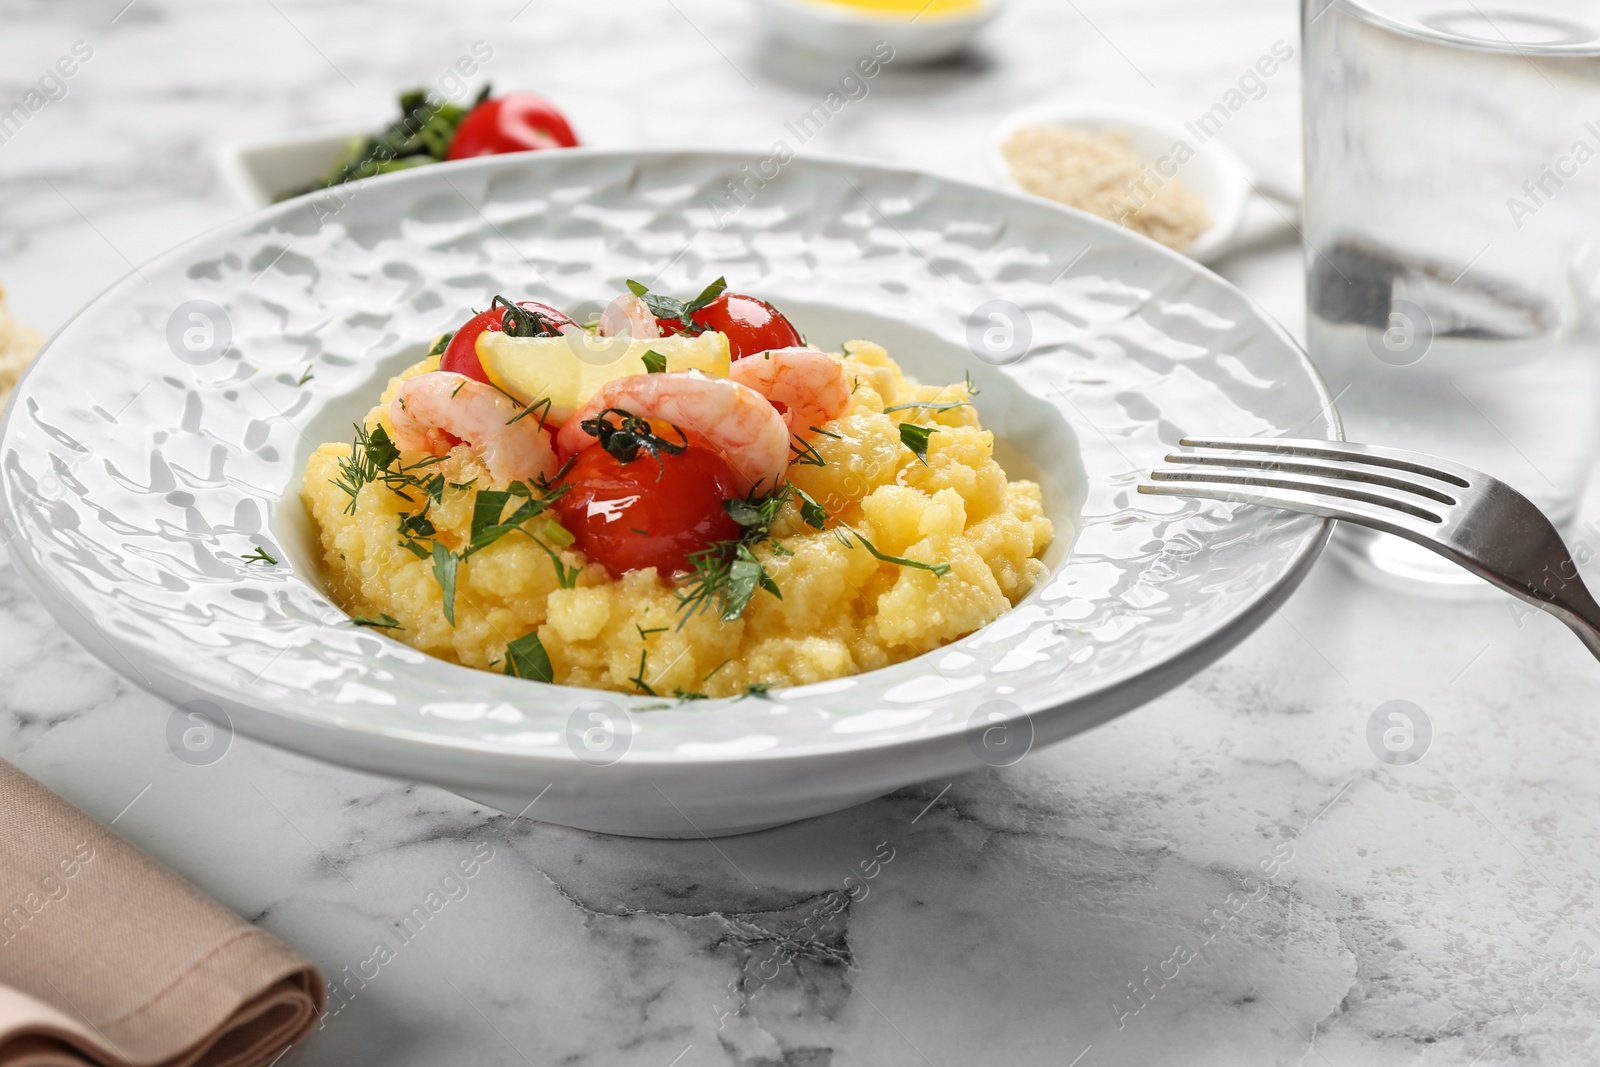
(1101, 902)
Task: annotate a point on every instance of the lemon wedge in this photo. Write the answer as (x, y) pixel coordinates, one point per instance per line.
(568, 370)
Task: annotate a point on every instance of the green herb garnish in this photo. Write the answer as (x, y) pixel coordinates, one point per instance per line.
(625, 441)
(526, 658)
(420, 551)
(382, 622)
(489, 506)
(422, 134)
(305, 375)
(442, 343)
(654, 362)
(725, 575)
(915, 438)
(638, 679)
(444, 572)
(419, 525)
(805, 453)
(518, 321)
(678, 313)
(931, 405)
(541, 406)
(566, 577)
(940, 569)
(258, 556)
(374, 458)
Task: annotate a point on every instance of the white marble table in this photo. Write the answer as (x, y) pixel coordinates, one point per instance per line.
(1098, 903)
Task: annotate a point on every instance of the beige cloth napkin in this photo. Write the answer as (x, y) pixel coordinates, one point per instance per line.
(106, 957)
(18, 345)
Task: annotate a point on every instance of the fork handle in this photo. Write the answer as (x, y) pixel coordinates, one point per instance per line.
(1571, 602)
(1588, 631)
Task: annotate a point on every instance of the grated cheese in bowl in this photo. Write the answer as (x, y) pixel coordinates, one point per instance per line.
(1103, 175)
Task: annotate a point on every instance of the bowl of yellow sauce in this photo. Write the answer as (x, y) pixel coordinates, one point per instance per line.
(914, 31)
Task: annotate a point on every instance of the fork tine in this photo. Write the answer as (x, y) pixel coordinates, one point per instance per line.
(1340, 490)
(1349, 472)
(1303, 501)
(1393, 458)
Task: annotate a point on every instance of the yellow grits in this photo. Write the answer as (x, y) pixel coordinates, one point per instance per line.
(842, 611)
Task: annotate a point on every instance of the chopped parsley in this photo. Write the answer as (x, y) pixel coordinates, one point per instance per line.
(444, 572)
(526, 658)
(419, 525)
(654, 362)
(489, 521)
(725, 575)
(679, 314)
(442, 343)
(915, 438)
(382, 622)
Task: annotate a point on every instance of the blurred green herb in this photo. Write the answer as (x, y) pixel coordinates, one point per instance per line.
(421, 135)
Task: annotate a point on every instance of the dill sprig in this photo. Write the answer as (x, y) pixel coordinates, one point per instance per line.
(375, 458)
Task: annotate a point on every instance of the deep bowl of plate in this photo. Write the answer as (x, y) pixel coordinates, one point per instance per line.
(153, 456)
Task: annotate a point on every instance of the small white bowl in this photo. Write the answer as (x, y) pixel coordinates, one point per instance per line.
(1214, 172)
(838, 29)
(259, 170)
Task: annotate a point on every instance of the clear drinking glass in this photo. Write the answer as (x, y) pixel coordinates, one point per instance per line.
(1452, 241)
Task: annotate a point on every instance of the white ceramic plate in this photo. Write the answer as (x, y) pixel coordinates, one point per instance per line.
(135, 481)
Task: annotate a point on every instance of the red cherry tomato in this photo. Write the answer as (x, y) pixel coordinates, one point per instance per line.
(752, 326)
(461, 354)
(516, 122)
(638, 514)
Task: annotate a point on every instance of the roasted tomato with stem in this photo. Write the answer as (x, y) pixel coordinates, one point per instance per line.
(752, 326)
(655, 509)
(461, 354)
(515, 122)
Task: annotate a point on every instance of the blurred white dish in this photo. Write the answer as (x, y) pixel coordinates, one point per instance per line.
(259, 170)
(1215, 173)
(837, 29)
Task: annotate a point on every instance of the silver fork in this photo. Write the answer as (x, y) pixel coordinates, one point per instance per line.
(1464, 515)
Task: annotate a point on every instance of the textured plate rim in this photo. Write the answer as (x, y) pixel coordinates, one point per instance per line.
(1113, 695)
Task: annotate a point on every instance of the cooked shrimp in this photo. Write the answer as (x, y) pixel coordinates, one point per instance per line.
(627, 315)
(811, 385)
(737, 421)
(433, 411)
